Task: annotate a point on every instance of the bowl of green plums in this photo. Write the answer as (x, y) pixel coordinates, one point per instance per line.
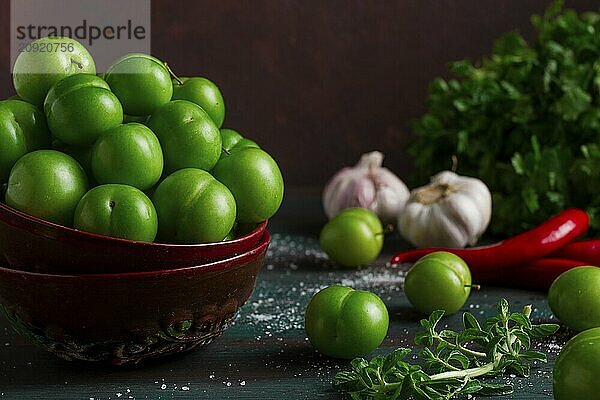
(133, 224)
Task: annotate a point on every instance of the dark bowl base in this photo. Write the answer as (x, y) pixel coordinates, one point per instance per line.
(180, 336)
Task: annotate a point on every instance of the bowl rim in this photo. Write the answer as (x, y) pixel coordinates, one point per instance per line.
(261, 227)
(219, 265)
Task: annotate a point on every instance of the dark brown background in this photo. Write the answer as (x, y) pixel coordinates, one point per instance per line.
(317, 83)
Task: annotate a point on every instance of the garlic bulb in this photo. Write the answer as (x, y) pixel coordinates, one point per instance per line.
(367, 185)
(452, 211)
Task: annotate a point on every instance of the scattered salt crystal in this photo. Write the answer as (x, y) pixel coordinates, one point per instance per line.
(163, 386)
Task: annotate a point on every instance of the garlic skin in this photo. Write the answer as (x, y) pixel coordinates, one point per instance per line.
(451, 211)
(367, 185)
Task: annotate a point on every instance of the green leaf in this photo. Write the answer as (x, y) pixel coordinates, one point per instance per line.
(543, 330)
(517, 163)
(531, 199)
(455, 363)
(535, 356)
(393, 359)
(573, 102)
(521, 320)
(469, 321)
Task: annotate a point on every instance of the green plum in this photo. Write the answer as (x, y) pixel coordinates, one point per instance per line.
(255, 180)
(352, 238)
(80, 108)
(22, 129)
(129, 154)
(345, 323)
(233, 141)
(47, 184)
(438, 281)
(188, 136)
(115, 210)
(202, 92)
(193, 207)
(141, 82)
(573, 298)
(576, 370)
(35, 72)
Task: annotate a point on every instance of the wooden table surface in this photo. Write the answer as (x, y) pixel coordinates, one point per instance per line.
(265, 354)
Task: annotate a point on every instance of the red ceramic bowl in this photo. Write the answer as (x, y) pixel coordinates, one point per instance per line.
(32, 244)
(130, 317)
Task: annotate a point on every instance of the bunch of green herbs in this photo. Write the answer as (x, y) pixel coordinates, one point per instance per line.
(452, 364)
(526, 121)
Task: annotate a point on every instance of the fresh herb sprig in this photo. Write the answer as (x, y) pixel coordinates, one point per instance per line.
(452, 362)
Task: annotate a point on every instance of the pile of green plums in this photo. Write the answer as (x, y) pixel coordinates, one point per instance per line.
(134, 153)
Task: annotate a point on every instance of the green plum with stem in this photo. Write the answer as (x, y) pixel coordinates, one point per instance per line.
(353, 238)
(36, 70)
(142, 83)
(202, 92)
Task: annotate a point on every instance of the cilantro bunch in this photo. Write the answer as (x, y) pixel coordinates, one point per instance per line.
(526, 121)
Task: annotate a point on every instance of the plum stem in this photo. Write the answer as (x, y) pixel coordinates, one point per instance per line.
(179, 81)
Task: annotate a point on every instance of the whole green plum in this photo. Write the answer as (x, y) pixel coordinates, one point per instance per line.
(47, 184)
(129, 154)
(202, 92)
(119, 211)
(22, 129)
(141, 82)
(188, 136)
(345, 323)
(352, 238)
(255, 180)
(35, 72)
(438, 281)
(573, 298)
(80, 108)
(193, 207)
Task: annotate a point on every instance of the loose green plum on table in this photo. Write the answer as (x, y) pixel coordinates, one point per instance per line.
(345, 323)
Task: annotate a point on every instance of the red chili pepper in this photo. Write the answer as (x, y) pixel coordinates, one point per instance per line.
(585, 250)
(517, 250)
(537, 275)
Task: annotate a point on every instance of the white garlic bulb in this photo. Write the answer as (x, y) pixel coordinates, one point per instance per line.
(452, 211)
(367, 185)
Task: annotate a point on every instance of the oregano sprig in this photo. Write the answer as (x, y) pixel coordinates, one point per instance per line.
(452, 363)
